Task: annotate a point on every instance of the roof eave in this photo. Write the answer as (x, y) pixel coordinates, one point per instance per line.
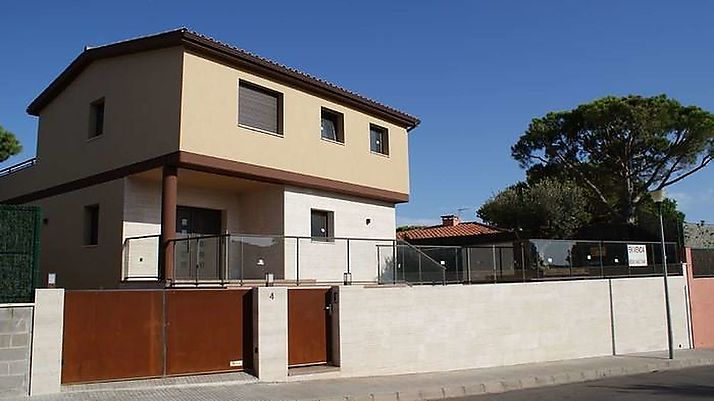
(162, 40)
(207, 47)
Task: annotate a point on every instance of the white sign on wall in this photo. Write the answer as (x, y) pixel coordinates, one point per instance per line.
(637, 255)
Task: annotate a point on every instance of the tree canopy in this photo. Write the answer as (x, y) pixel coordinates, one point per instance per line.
(549, 208)
(9, 145)
(618, 149)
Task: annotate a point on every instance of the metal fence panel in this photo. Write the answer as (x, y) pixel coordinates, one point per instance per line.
(19, 252)
(703, 262)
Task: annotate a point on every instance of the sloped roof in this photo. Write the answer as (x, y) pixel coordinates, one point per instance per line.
(209, 47)
(465, 229)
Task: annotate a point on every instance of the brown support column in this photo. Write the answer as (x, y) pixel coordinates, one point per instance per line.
(169, 188)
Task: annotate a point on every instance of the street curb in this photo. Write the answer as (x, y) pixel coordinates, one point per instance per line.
(474, 388)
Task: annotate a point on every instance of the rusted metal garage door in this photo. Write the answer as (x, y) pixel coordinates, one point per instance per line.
(122, 334)
(208, 331)
(309, 327)
(112, 335)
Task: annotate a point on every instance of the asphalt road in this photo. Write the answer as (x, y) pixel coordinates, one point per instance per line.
(684, 384)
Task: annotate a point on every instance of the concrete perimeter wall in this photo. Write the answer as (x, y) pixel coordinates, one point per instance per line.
(422, 329)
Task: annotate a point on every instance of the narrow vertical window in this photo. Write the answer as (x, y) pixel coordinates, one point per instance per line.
(378, 139)
(91, 225)
(96, 118)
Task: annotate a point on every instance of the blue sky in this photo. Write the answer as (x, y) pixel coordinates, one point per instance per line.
(475, 72)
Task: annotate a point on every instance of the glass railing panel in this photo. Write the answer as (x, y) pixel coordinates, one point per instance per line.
(674, 265)
(386, 263)
(507, 268)
(481, 265)
(209, 259)
(552, 259)
(450, 258)
(322, 259)
(252, 257)
(184, 259)
(586, 261)
(363, 254)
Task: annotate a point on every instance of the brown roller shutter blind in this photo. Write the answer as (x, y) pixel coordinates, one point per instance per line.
(259, 108)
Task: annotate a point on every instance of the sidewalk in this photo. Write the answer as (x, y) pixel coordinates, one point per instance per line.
(426, 386)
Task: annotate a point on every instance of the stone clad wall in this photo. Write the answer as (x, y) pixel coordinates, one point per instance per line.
(15, 340)
(402, 330)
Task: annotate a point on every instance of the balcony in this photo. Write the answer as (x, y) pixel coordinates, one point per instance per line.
(243, 259)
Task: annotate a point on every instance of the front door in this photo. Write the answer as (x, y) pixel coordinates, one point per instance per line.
(195, 221)
(198, 258)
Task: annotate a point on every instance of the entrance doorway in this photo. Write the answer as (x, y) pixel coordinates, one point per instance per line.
(197, 221)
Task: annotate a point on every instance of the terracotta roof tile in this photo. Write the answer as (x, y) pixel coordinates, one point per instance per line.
(465, 229)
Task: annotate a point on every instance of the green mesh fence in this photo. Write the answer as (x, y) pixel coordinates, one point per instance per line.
(19, 252)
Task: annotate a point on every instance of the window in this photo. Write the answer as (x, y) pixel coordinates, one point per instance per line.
(332, 127)
(91, 225)
(321, 225)
(96, 118)
(378, 139)
(260, 108)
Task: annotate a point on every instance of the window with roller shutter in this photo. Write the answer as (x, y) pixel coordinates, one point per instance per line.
(260, 108)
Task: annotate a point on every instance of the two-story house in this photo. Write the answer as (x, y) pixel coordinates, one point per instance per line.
(175, 158)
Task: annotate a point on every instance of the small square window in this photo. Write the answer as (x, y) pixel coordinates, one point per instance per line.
(91, 225)
(332, 126)
(321, 225)
(378, 139)
(96, 118)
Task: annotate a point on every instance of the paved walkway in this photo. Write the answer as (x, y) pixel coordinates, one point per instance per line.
(426, 386)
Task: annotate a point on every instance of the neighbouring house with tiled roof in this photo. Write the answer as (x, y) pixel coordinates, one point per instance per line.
(452, 231)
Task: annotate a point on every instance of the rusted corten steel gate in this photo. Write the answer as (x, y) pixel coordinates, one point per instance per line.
(123, 334)
(309, 326)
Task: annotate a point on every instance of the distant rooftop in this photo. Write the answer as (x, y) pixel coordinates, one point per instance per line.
(450, 227)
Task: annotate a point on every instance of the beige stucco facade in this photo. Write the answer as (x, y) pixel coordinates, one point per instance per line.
(159, 102)
(62, 248)
(209, 126)
(142, 94)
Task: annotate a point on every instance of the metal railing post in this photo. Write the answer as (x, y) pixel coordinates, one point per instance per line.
(523, 260)
(379, 270)
(348, 256)
(602, 263)
(394, 263)
(468, 264)
(218, 260)
(493, 254)
(198, 258)
(227, 247)
(127, 255)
